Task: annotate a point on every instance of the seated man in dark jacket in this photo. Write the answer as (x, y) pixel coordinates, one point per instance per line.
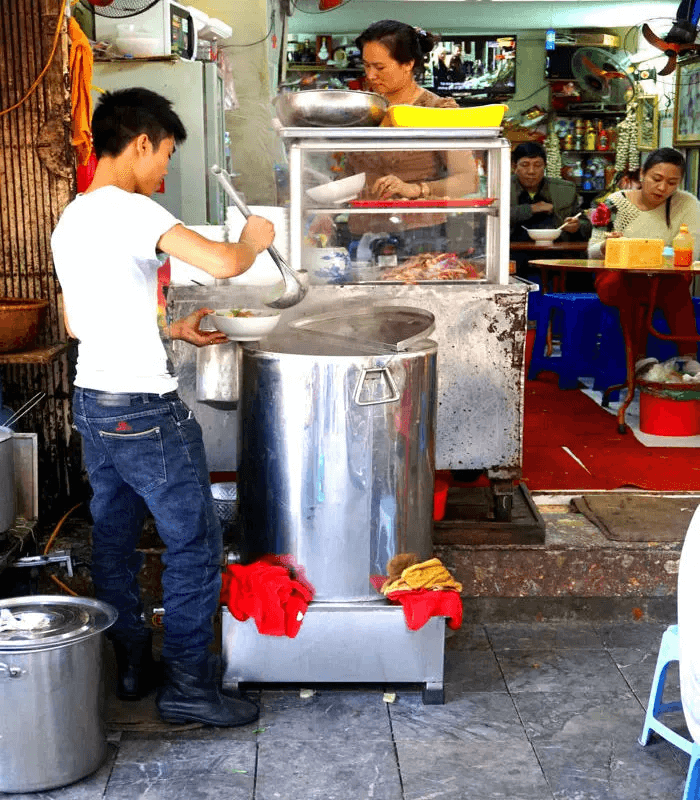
(540, 202)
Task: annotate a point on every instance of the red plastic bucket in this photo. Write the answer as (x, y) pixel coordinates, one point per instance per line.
(440, 498)
(669, 409)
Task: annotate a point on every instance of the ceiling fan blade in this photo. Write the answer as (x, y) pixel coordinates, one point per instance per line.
(670, 65)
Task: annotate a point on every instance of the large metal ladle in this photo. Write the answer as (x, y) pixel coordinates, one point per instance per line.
(294, 288)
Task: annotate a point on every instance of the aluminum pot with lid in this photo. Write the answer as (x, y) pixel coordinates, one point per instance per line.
(50, 690)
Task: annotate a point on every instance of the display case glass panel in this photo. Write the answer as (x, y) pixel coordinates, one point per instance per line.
(368, 211)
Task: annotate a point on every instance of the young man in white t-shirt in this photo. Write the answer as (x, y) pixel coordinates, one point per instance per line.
(143, 449)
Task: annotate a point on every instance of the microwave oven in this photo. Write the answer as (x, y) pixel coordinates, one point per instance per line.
(169, 22)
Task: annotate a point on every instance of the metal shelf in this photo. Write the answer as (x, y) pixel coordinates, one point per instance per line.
(492, 209)
(385, 138)
(589, 152)
(321, 68)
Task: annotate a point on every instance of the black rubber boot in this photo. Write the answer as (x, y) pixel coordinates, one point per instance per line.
(192, 693)
(137, 673)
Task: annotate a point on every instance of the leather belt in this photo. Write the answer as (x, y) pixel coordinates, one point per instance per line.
(128, 398)
(115, 399)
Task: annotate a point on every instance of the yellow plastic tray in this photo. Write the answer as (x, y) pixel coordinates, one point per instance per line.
(405, 116)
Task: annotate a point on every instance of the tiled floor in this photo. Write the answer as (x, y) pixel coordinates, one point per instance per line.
(533, 711)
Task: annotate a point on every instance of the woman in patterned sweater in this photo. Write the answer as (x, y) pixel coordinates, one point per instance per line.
(654, 211)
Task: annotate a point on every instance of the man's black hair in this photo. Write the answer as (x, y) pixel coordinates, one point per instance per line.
(529, 150)
(123, 115)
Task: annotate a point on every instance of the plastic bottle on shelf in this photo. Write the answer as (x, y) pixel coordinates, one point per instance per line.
(590, 138)
(683, 244)
(603, 139)
(578, 174)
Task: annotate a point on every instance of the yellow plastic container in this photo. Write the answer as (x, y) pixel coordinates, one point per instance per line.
(624, 252)
(404, 116)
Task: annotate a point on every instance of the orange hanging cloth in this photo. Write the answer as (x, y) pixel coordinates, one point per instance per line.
(80, 66)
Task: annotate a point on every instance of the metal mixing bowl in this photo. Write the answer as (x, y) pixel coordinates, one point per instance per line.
(330, 108)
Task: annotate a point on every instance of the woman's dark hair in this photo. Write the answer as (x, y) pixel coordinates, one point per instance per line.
(123, 115)
(529, 150)
(665, 155)
(403, 42)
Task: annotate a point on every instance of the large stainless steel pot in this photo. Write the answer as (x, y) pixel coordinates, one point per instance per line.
(7, 480)
(336, 461)
(50, 725)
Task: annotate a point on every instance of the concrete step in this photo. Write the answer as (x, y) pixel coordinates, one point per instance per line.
(575, 571)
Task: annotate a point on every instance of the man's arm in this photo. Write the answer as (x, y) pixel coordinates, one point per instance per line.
(567, 203)
(219, 259)
(522, 212)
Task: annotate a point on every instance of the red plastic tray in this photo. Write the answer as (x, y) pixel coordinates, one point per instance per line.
(442, 202)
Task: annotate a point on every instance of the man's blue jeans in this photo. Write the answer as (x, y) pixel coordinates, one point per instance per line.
(145, 451)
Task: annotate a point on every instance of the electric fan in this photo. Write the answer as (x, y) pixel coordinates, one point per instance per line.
(310, 6)
(676, 39)
(602, 76)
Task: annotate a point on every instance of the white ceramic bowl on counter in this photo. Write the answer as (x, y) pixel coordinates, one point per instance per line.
(138, 46)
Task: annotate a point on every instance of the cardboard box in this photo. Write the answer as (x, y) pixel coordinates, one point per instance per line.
(624, 252)
(597, 40)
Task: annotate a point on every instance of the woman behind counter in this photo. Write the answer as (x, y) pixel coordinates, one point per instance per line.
(393, 57)
(654, 211)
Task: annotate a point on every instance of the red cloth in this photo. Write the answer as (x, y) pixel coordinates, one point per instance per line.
(422, 604)
(84, 173)
(267, 592)
(629, 292)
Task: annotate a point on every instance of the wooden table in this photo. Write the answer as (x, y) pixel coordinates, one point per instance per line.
(591, 265)
(549, 247)
(37, 355)
(45, 354)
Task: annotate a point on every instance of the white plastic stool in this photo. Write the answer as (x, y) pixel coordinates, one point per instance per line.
(668, 652)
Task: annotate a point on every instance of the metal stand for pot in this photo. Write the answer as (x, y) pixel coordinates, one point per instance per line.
(339, 643)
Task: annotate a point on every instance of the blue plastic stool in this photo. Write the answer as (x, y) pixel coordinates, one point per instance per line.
(610, 368)
(578, 316)
(668, 652)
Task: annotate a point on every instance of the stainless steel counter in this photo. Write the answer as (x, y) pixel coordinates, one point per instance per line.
(480, 331)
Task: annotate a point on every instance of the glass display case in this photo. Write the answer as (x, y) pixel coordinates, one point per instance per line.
(445, 251)
(345, 230)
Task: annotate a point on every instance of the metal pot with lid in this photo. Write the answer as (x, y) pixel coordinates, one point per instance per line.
(50, 670)
(337, 427)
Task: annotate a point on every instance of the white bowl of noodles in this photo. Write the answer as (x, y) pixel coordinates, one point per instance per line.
(245, 324)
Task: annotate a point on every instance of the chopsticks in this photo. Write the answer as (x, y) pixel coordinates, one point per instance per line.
(574, 217)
